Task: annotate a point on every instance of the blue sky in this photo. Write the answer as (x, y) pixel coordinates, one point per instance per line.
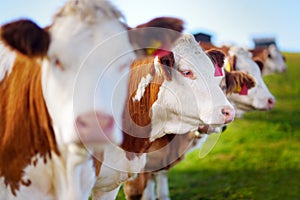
(230, 21)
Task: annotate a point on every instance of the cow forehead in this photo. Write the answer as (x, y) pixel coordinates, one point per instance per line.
(189, 55)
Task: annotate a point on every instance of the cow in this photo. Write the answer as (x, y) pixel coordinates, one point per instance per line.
(50, 123)
(169, 150)
(272, 58)
(159, 103)
(240, 59)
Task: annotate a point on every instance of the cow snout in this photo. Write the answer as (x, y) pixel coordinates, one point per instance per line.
(271, 103)
(95, 127)
(228, 113)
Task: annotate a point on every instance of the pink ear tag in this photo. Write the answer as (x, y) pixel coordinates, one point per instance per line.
(218, 70)
(244, 90)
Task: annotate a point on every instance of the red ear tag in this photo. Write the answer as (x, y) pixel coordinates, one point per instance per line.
(218, 70)
(244, 90)
(161, 52)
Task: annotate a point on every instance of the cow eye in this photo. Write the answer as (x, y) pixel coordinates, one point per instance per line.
(187, 73)
(58, 64)
(269, 56)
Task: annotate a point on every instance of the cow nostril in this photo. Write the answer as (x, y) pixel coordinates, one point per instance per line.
(225, 112)
(271, 101)
(228, 113)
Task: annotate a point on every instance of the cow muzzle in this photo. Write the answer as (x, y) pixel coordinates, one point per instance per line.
(95, 128)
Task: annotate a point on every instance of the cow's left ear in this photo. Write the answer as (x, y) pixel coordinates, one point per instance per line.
(259, 62)
(26, 37)
(166, 62)
(159, 33)
(217, 56)
(236, 80)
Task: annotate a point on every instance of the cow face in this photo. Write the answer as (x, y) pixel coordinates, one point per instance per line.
(275, 62)
(258, 97)
(84, 76)
(193, 96)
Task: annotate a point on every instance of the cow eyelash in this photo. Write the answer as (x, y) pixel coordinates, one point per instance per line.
(187, 73)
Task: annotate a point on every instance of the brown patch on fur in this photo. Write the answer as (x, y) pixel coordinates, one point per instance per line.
(260, 63)
(174, 148)
(133, 189)
(168, 150)
(25, 36)
(217, 56)
(260, 52)
(207, 46)
(232, 61)
(137, 113)
(98, 158)
(236, 79)
(26, 129)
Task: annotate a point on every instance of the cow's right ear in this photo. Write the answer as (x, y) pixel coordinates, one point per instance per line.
(217, 56)
(235, 80)
(166, 63)
(26, 37)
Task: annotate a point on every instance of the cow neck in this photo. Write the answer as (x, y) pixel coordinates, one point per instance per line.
(137, 113)
(26, 130)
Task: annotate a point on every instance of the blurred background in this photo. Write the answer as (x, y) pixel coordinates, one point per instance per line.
(258, 157)
(229, 22)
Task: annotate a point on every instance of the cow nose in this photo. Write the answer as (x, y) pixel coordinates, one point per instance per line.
(94, 127)
(271, 103)
(229, 113)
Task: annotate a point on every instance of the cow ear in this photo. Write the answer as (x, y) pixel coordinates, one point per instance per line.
(260, 63)
(159, 33)
(217, 56)
(26, 37)
(166, 63)
(236, 80)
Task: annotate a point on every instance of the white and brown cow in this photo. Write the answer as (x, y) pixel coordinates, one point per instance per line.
(159, 103)
(272, 58)
(53, 105)
(166, 152)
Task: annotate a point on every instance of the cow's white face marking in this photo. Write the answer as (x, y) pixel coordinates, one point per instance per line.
(145, 81)
(84, 65)
(7, 59)
(257, 98)
(193, 97)
(274, 61)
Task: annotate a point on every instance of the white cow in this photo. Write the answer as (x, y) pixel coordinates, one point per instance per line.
(167, 152)
(272, 58)
(57, 85)
(172, 85)
(259, 97)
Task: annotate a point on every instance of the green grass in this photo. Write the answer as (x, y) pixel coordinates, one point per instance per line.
(257, 157)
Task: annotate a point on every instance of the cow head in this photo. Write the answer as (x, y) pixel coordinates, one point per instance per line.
(272, 59)
(193, 96)
(259, 97)
(84, 54)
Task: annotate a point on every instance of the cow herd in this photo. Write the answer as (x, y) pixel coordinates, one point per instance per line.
(88, 103)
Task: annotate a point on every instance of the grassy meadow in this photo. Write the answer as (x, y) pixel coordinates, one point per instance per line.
(257, 157)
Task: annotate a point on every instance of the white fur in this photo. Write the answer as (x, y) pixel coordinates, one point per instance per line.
(275, 63)
(149, 191)
(145, 81)
(7, 59)
(92, 46)
(162, 185)
(116, 168)
(174, 111)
